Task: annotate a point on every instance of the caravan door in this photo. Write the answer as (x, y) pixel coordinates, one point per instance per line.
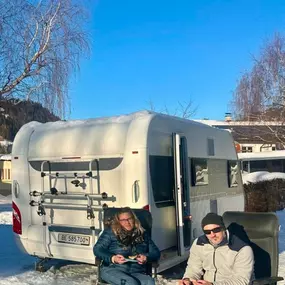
(181, 193)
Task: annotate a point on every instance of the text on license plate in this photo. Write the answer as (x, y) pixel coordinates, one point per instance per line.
(75, 239)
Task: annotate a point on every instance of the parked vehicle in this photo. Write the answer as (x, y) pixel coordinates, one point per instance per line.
(271, 161)
(64, 173)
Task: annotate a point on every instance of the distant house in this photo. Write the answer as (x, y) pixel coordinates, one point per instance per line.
(5, 174)
(5, 145)
(252, 136)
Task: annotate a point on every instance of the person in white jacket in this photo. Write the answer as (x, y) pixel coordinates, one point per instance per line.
(218, 257)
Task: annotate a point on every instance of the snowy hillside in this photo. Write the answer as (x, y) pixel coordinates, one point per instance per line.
(18, 268)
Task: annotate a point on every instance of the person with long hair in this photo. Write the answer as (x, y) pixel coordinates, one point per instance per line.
(125, 248)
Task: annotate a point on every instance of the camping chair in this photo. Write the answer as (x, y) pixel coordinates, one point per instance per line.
(145, 218)
(260, 231)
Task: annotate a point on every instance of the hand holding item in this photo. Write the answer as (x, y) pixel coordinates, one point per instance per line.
(141, 259)
(202, 282)
(185, 281)
(118, 258)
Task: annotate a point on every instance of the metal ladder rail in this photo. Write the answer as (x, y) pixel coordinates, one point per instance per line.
(44, 223)
(89, 198)
(80, 196)
(90, 201)
(57, 175)
(65, 176)
(62, 206)
(49, 205)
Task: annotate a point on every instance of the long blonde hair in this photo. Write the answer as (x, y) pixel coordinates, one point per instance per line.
(116, 226)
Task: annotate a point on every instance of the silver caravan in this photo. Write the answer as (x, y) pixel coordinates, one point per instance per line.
(65, 173)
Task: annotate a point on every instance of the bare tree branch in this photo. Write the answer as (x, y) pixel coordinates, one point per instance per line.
(260, 93)
(41, 43)
(184, 109)
(151, 105)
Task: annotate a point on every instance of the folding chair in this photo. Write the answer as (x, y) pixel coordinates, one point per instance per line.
(260, 231)
(145, 218)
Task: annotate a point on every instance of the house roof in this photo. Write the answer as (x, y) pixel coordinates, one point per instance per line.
(252, 131)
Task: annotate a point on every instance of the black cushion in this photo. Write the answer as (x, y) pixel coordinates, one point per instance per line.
(260, 231)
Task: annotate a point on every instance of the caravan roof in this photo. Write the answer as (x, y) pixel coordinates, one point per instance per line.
(112, 136)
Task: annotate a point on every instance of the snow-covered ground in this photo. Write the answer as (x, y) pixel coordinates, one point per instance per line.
(18, 268)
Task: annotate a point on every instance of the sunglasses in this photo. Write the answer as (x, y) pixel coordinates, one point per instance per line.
(215, 230)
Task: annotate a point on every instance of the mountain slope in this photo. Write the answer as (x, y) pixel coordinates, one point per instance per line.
(15, 113)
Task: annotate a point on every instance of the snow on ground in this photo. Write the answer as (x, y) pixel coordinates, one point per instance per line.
(5, 156)
(258, 176)
(5, 199)
(18, 268)
(5, 218)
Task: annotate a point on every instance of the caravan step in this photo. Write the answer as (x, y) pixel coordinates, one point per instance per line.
(170, 258)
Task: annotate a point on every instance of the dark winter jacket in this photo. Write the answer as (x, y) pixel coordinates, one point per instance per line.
(231, 263)
(108, 245)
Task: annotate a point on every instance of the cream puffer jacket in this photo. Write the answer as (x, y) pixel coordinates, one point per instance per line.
(231, 263)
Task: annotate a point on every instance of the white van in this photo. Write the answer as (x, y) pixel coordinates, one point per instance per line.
(64, 173)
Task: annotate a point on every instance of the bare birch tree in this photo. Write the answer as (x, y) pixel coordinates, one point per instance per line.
(41, 43)
(263, 88)
(183, 110)
(260, 93)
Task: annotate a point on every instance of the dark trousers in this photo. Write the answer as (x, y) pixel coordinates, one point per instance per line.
(118, 277)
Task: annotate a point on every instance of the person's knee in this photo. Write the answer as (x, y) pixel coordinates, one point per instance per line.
(130, 281)
(147, 280)
(150, 281)
(139, 280)
(119, 279)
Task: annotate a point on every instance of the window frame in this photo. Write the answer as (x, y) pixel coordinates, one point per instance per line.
(194, 163)
(229, 172)
(156, 185)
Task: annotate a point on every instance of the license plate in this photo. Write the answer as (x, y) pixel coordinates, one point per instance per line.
(74, 239)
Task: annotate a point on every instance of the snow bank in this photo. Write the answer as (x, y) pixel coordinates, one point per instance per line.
(5, 157)
(261, 176)
(5, 212)
(6, 218)
(5, 199)
(103, 120)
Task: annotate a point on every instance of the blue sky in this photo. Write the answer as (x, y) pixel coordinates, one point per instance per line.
(168, 51)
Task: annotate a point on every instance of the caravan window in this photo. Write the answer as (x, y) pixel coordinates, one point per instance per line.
(162, 179)
(233, 173)
(199, 169)
(245, 166)
(258, 165)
